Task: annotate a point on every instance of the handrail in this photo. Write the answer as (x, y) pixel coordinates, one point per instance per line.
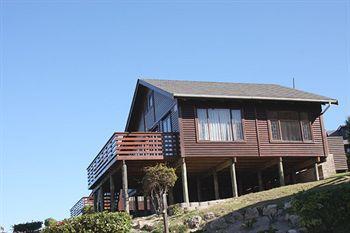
(135, 145)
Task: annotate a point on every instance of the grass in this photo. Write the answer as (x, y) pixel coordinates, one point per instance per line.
(276, 195)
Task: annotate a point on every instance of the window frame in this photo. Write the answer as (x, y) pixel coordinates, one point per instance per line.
(243, 140)
(272, 140)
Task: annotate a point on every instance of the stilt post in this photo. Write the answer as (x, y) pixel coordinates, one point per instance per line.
(125, 187)
(216, 185)
(233, 178)
(112, 191)
(317, 175)
(199, 193)
(101, 201)
(280, 172)
(184, 182)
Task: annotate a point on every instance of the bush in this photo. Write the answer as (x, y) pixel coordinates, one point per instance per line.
(324, 211)
(50, 222)
(88, 209)
(103, 222)
(27, 227)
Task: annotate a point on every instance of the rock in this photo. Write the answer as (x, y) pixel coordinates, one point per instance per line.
(262, 224)
(218, 224)
(209, 216)
(302, 230)
(270, 210)
(251, 213)
(147, 227)
(292, 231)
(233, 217)
(287, 205)
(194, 222)
(294, 220)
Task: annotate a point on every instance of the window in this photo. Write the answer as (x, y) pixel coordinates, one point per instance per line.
(218, 124)
(290, 126)
(150, 101)
(166, 124)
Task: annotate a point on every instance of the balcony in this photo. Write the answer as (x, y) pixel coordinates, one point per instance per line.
(132, 146)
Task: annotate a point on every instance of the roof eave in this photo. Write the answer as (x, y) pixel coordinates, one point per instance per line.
(325, 101)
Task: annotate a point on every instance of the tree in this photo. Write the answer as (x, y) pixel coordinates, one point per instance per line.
(50, 222)
(157, 181)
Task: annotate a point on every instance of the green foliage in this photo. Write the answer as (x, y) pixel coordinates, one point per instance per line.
(270, 230)
(103, 222)
(176, 210)
(324, 211)
(157, 181)
(27, 227)
(88, 209)
(50, 222)
(347, 124)
(178, 229)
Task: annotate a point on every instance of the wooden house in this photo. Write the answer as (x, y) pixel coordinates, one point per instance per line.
(224, 139)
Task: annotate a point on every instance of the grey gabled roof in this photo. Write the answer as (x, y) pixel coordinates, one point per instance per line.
(179, 88)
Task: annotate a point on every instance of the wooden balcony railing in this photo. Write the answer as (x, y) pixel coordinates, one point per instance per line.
(132, 146)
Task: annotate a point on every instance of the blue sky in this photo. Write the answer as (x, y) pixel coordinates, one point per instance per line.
(69, 68)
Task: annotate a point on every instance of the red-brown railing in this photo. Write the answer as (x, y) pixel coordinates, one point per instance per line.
(132, 146)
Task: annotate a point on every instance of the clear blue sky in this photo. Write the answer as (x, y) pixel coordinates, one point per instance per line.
(68, 71)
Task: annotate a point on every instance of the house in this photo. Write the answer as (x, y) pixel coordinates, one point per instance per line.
(78, 207)
(224, 139)
(339, 139)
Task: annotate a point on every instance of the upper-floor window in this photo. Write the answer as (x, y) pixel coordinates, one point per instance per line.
(150, 101)
(219, 124)
(289, 126)
(166, 124)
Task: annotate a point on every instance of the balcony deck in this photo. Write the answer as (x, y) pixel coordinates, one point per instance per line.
(132, 146)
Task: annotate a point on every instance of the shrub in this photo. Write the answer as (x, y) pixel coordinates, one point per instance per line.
(88, 209)
(156, 182)
(324, 211)
(27, 227)
(103, 222)
(50, 222)
(178, 228)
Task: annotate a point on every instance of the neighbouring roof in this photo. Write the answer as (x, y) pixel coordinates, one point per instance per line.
(179, 88)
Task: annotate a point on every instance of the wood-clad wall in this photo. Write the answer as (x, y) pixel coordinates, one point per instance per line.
(336, 147)
(255, 123)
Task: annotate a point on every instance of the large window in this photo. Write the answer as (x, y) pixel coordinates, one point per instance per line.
(290, 126)
(150, 101)
(219, 124)
(166, 124)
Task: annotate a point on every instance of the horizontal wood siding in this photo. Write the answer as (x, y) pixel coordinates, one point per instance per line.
(250, 146)
(268, 148)
(336, 147)
(194, 148)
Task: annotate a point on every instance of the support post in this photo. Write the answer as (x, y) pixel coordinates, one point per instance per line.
(293, 176)
(233, 178)
(216, 185)
(171, 196)
(112, 191)
(317, 175)
(184, 182)
(95, 202)
(260, 180)
(280, 172)
(101, 200)
(199, 187)
(125, 187)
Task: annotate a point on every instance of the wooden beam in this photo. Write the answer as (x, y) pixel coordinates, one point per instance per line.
(317, 175)
(260, 181)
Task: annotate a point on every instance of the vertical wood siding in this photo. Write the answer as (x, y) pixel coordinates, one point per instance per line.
(255, 120)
